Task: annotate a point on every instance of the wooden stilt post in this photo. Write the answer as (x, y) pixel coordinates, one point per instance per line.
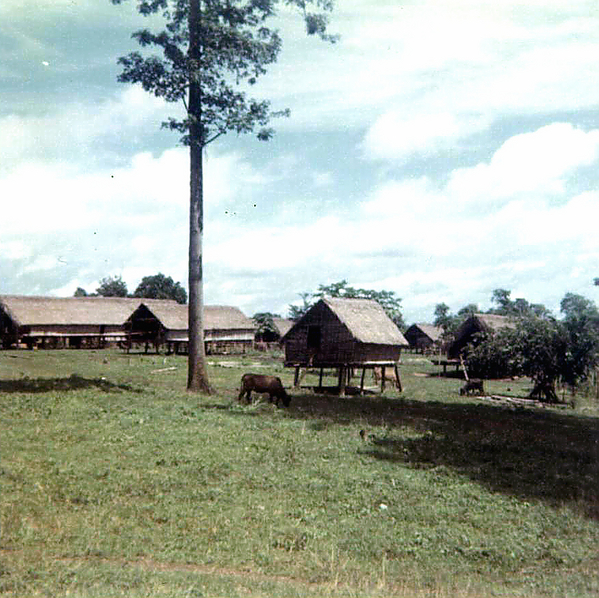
(320, 378)
(382, 378)
(362, 380)
(296, 376)
(342, 380)
(399, 387)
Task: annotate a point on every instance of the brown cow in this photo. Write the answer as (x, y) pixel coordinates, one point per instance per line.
(472, 386)
(260, 383)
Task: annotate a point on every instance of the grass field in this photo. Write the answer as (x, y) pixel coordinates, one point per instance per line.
(116, 482)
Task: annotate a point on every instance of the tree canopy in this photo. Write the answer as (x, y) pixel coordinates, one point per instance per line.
(548, 350)
(112, 286)
(228, 44)
(506, 306)
(160, 286)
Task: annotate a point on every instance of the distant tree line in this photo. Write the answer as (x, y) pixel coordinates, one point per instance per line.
(157, 286)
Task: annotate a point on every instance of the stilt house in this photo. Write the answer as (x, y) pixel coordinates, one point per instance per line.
(226, 329)
(424, 337)
(345, 334)
(75, 322)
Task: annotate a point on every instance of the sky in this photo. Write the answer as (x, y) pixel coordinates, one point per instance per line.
(440, 150)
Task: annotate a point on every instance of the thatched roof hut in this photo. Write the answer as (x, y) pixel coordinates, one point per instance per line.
(268, 335)
(31, 319)
(423, 337)
(225, 327)
(477, 324)
(348, 332)
(283, 326)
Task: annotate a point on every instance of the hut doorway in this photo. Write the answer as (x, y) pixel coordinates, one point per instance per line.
(314, 338)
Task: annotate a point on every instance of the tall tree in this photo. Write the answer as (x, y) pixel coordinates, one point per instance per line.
(160, 286)
(502, 299)
(444, 319)
(208, 48)
(112, 286)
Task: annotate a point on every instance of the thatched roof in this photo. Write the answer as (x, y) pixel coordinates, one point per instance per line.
(174, 316)
(365, 319)
(225, 317)
(478, 323)
(282, 325)
(490, 322)
(70, 311)
(433, 332)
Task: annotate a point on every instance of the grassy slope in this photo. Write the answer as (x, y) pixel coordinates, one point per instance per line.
(116, 482)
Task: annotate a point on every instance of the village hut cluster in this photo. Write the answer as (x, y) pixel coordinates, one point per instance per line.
(350, 336)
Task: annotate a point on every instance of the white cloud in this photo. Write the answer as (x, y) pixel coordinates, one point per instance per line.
(536, 164)
(14, 250)
(397, 135)
(74, 132)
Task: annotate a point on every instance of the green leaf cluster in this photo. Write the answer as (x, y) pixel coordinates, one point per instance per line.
(548, 350)
(234, 47)
(160, 286)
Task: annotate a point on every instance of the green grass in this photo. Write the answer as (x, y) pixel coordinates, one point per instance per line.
(117, 482)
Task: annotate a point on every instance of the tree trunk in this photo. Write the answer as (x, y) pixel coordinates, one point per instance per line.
(197, 377)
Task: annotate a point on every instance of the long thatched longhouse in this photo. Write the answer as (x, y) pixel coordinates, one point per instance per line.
(63, 321)
(344, 334)
(226, 329)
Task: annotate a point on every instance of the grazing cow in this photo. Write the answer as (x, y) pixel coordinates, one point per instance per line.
(473, 386)
(271, 385)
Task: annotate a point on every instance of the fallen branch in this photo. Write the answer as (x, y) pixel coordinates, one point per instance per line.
(520, 401)
(163, 370)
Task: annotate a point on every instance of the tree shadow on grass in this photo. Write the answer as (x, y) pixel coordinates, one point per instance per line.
(74, 382)
(528, 453)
